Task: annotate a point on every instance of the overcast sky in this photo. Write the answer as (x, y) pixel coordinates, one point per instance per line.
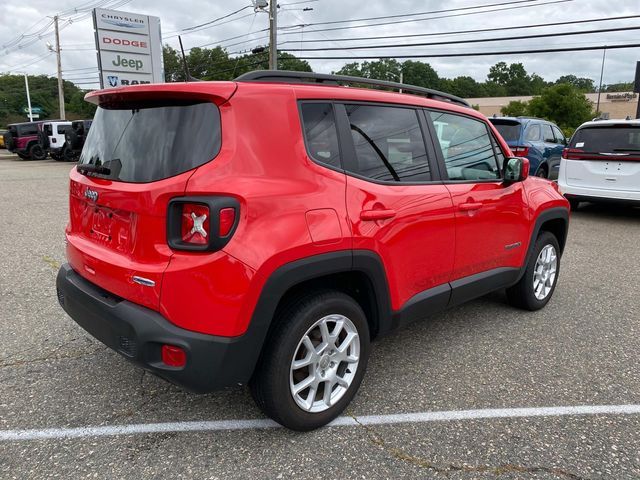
(78, 51)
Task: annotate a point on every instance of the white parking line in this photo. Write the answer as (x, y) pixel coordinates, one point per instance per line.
(219, 425)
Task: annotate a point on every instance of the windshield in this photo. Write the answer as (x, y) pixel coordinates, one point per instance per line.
(608, 139)
(142, 143)
(509, 130)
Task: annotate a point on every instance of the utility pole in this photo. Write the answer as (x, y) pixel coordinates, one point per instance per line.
(604, 53)
(60, 85)
(26, 85)
(273, 34)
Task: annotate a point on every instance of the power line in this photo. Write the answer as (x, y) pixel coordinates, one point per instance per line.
(474, 54)
(474, 40)
(418, 19)
(460, 32)
(186, 29)
(386, 17)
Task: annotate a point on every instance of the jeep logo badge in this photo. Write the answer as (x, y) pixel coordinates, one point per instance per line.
(91, 195)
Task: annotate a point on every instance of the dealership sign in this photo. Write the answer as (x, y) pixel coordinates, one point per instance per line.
(129, 48)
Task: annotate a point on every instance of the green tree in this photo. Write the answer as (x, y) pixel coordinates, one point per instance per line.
(420, 74)
(465, 87)
(515, 80)
(515, 108)
(581, 83)
(173, 68)
(562, 104)
(618, 87)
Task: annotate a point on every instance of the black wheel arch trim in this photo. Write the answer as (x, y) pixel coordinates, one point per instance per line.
(556, 213)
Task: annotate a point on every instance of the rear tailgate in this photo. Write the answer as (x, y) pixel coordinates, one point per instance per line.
(604, 157)
(144, 145)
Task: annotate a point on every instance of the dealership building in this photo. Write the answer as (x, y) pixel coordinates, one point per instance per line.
(612, 104)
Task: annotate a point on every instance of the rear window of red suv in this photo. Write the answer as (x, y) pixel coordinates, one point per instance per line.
(141, 143)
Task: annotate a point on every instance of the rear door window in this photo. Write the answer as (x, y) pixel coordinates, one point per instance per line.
(62, 129)
(320, 133)
(141, 143)
(388, 143)
(532, 133)
(26, 130)
(608, 139)
(469, 153)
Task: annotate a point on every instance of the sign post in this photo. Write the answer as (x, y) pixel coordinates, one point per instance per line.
(129, 48)
(636, 87)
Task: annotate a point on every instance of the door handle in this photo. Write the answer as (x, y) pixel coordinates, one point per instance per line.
(467, 207)
(377, 214)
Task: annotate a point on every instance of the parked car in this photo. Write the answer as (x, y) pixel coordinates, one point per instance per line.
(22, 139)
(52, 138)
(74, 139)
(540, 141)
(2, 132)
(283, 225)
(602, 163)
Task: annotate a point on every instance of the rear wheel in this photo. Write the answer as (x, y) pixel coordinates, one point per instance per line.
(314, 361)
(67, 154)
(36, 152)
(535, 288)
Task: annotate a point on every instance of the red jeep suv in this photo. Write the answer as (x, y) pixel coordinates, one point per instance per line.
(264, 231)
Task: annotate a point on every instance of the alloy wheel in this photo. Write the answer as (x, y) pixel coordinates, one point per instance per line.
(544, 273)
(325, 363)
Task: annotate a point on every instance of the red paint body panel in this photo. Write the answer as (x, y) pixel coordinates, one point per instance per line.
(494, 230)
(290, 208)
(416, 244)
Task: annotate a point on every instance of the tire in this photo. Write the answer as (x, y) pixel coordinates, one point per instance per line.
(524, 293)
(273, 383)
(67, 154)
(36, 152)
(574, 204)
(542, 172)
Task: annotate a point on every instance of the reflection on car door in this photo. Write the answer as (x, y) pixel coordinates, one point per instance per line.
(491, 215)
(394, 205)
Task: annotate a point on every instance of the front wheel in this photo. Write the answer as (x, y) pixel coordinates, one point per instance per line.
(314, 361)
(542, 172)
(535, 288)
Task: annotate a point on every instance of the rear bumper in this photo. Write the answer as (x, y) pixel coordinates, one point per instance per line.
(598, 194)
(138, 334)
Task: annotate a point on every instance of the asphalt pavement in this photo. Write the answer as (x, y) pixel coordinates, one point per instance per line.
(581, 350)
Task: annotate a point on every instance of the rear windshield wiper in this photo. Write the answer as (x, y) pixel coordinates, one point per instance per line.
(89, 168)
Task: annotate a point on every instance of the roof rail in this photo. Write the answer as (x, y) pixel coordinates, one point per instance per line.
(286, 76)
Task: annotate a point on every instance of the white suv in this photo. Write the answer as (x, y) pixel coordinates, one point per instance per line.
(602, 162)
(54, 138)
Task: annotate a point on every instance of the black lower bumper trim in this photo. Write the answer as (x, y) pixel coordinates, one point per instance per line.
(138, 333)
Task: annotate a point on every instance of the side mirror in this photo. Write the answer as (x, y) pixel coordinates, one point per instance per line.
(516, 169)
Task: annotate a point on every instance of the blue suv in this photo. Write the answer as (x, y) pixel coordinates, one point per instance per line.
(540, 141)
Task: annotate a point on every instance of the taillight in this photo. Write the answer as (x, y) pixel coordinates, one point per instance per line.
(572, 153)
(520, 151)
(201, 223)
(195, 223)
